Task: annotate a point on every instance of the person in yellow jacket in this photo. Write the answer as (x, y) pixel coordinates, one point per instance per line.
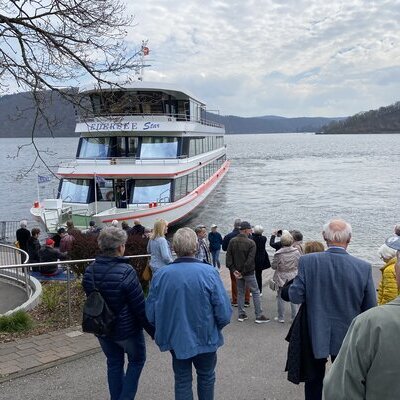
(387, 290)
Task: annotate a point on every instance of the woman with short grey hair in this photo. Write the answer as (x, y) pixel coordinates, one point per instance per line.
(110, 239)
(119, 285)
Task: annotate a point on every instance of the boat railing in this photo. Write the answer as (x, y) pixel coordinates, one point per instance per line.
(156, 117)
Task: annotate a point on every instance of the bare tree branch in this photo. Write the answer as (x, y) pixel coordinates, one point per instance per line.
(53, 44)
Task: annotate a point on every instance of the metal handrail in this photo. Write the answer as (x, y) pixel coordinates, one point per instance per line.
(13, 273)
(67, 263)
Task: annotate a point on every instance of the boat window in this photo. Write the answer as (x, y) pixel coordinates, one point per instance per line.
(150, 190)
(105, 190)
(94, 147)
(75, 190)
(180, 187)
(118, 147)
(132, 146)
(159, 147)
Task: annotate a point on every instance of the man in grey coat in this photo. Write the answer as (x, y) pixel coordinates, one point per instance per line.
(336, 288)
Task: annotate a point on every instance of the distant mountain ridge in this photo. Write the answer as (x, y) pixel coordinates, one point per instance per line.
(383, 120)
(17, 114)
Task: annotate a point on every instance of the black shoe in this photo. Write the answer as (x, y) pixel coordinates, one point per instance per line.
(242, 317)
(247, 304)
(261, 319)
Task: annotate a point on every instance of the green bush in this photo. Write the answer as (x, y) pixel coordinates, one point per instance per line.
(85, 246)
(19, 321)
(51, 296)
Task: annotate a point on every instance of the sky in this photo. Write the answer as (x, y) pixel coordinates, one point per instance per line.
(265, 57)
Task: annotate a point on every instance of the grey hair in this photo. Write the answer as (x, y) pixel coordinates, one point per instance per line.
(110, 239)
(114, 222)
(199, 228)
(258, 229)
(237, 223)
(386, 252)
(185, 242)
(337, 230)
(23, 223)
(397, 229)
(286, 238)
(297, 235)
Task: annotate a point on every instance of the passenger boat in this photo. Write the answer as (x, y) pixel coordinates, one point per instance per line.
(146, 151)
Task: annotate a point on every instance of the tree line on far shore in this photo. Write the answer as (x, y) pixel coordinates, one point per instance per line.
(382, 120)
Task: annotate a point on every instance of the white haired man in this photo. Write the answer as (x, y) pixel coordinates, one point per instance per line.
(188, 306)
(367, 366)
(23, 236)
(337, 287)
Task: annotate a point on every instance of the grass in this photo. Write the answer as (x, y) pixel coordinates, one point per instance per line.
(19, 321)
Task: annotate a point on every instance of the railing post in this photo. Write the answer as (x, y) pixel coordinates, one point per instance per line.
(69, 295)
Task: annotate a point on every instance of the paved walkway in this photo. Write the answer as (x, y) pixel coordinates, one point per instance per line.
(29, 355)
(32, 354)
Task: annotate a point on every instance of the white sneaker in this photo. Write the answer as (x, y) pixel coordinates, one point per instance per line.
(261, 294)
(282, 321)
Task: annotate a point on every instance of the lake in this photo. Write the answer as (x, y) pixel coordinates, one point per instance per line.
(285, 181)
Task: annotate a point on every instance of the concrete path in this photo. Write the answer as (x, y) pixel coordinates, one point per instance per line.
(10, 297)
(250, 364)
(69, 365)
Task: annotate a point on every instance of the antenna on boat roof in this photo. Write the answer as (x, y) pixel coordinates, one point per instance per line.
(144, 51)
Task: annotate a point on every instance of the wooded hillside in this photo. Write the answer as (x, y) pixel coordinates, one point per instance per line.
(383, 120)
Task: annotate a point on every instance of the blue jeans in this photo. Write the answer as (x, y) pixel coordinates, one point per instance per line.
(123, 385)
(205, 364)
(215, 258)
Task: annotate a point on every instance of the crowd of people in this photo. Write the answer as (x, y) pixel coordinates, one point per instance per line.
(331, 294)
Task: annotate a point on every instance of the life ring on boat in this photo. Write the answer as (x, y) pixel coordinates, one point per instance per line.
(110, 195)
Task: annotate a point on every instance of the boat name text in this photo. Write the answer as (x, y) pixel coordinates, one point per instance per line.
(122, 126)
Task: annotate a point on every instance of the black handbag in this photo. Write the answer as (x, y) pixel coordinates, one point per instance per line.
(97, 316)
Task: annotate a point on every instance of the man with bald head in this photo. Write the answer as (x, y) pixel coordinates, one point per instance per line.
(336, 287)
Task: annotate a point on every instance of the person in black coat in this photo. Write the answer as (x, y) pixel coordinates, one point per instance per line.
(33, 248)
(261, 260)
(119, 285)
(23, 236)
(273, 242)
(137, 228)
(48, 253)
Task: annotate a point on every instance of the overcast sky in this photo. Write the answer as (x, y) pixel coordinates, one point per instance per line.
(266, 57)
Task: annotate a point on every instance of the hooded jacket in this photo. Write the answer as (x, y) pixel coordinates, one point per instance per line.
(387, 290)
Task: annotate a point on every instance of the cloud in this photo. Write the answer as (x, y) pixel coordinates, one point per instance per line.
(275, 57)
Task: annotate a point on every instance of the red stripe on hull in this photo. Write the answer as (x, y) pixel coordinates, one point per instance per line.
(198, 191)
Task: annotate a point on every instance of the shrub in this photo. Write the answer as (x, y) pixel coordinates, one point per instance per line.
(85, 246)
(51, 296)
(19, 321)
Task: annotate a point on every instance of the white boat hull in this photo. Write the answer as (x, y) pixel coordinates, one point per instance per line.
(171, 212)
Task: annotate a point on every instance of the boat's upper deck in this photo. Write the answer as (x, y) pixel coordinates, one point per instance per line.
(142, 107)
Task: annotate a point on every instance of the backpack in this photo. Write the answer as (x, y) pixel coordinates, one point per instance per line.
(97, 317)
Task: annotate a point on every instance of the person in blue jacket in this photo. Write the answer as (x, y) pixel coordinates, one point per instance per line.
(119, 285)
(188, 306)
(215, 240)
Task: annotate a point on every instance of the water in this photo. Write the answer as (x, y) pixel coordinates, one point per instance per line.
(279, 181)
